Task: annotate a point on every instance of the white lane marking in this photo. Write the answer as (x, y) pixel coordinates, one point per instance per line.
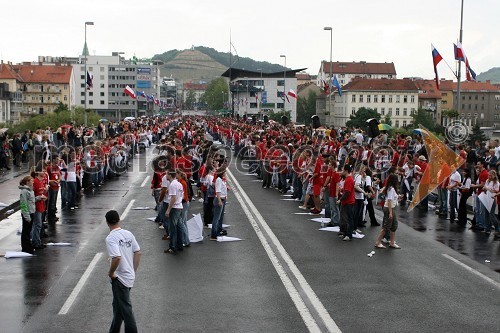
(127, 209)
(472, 270)
(74, 294)
(294, 294)
(145, 181)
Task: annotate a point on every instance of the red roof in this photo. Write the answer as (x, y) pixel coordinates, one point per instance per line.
(380, 85)
(44, 74)
(362, 67)
(470, 86)
(303, 76)
(195, 86)
(8, 73)
(427, 89)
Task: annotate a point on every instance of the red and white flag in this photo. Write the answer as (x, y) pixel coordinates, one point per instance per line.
(292, 94)
(128, 91)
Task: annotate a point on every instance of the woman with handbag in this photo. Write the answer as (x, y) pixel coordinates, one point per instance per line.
(390, 222)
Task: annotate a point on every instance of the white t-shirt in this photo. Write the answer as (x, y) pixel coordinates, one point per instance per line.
(71, 172)
(391, 196)
(220, 187)
(359, 138)
(358, 181)
(165, 184)
(121, 243)
(176, 189)
(454, 179)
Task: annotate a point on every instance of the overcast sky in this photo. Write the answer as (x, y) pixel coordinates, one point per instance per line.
(398, 31)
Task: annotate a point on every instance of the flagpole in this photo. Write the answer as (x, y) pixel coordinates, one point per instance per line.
(330, 78)
(459, 74)
(230, 101)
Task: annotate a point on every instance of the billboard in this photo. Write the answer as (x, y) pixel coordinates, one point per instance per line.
(144, 84)
(142, 70)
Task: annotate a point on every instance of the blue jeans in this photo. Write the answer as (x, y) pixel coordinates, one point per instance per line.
(480, 213)
(36, 229)
(64, 193)
(71, 187)
(335, 213)
(175, 228)
(156, 195)
(122, 308)
(185, 232)
(163, 218)
(443, 200)
(218, 217)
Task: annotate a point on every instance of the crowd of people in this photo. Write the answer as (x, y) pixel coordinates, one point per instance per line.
(341, 171)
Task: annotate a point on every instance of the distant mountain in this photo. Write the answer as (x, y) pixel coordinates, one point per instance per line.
(493, 75)
(205, 64)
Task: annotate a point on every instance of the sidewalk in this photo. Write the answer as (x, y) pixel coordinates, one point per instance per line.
(9, 191)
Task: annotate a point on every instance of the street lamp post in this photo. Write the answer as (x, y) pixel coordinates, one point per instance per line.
(247, 97)
(284, 83)
(330, 78)
(85, 74)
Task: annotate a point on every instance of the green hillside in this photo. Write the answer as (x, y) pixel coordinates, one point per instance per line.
(493, 75)
(205, 64)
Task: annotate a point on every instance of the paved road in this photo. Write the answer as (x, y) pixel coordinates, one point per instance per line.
(285, 276)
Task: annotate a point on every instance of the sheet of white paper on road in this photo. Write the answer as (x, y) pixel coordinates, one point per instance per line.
(224, 226)
(14, 254)
(321, 220)
(195, 228)
(58, 244)
(337, 229)
(228, 239)
(140, 208)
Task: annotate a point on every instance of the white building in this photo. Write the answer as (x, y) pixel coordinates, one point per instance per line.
(397, 98)
(111, 74)
(347, 71)
(257, 93)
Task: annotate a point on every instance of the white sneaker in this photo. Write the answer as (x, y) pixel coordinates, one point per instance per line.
(385, 241)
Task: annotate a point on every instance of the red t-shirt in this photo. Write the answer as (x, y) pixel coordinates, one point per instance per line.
(483, 177)
(349, 186)
(334, 180)
(39, 189)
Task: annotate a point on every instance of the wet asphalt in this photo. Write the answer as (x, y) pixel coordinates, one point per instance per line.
(234, 287)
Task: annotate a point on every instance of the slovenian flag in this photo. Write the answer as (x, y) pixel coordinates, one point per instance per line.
(337, 85)
(436, 58)
(460, 56)
(128, 91)
(459, 52)
(292, 94)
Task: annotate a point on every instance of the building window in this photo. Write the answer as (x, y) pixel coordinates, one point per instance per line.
(482, 106)
(405, 99)
(101, 77)
(82, 85)
(82, 93)
(412, 99)
(470, 106)
(91, 93)
(375, 98)
(91, 102)
(102, 69)
(102, 102)
(398, 98)
(82, 102)
(280, 83)
(368, 98)
(353, 111)
(65, 98)
(404, 123)
(470, 97)
(382, 111)
(390, 98)
(463, 98)
(476, 97)
(397, 111)
(475, 106)
(101, 93)
(412, 111)
(91, 69)
(353, 98)
(382, 99)
(253, 105)
(405, 112)
(82, 77)
(280, 105)
(463, 106)
(361, 98)
(390, 112)
(397, 123)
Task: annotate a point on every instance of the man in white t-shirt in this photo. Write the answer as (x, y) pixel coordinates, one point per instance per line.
(453, 185)
(125, 254)
(174, 213)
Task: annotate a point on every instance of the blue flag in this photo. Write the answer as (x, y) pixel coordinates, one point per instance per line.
(337, 85)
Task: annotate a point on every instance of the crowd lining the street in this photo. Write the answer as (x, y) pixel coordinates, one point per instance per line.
(342, 171)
